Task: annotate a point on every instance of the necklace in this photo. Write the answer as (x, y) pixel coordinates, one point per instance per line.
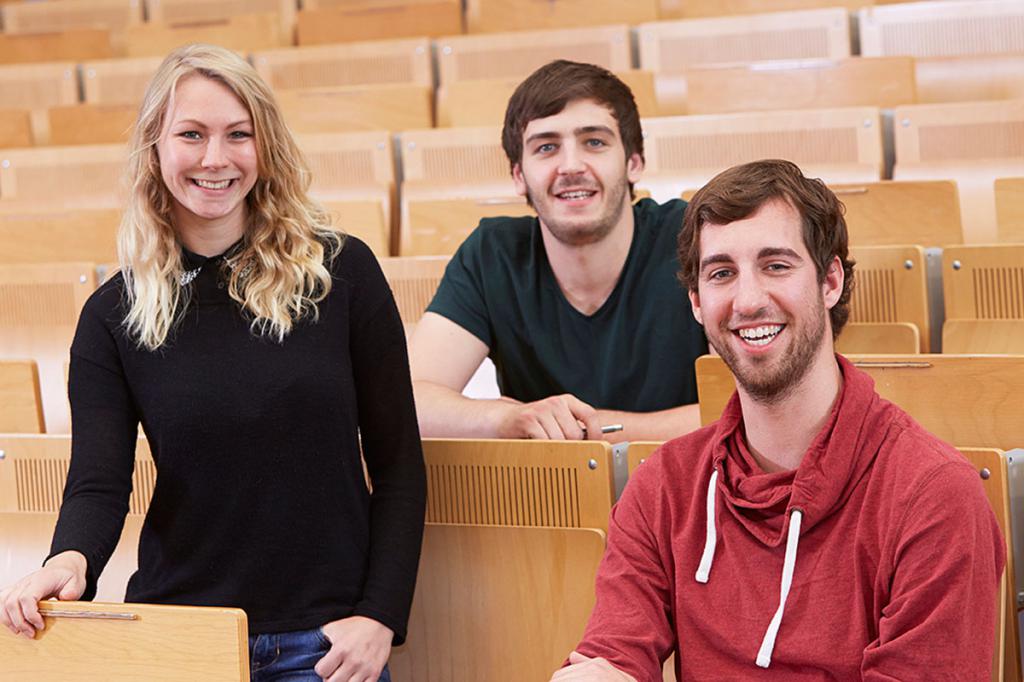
(229, 258)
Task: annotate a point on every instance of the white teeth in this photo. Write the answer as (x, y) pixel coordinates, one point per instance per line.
(208, 184)
(582, 194)
(760, 336)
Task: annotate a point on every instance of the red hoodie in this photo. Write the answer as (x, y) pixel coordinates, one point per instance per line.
(895, 559)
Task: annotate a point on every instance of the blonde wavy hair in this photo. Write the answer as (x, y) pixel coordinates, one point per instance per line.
(279, 275)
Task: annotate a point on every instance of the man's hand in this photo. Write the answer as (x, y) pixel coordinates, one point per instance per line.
(585, 669)
(555, 418)
(359, 650)
(63, 576)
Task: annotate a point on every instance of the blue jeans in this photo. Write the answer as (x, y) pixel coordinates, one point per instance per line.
(290, 656)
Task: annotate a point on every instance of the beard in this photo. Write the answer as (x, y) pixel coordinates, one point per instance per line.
(768, 384)
(574, 233)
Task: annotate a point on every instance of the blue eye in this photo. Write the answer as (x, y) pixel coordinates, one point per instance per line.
(190, 135)
(241, 135)
(546, 148)
(595, 142)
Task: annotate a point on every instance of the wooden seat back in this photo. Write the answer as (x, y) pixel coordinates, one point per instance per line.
(75, 44)
(457, 156)
(836, 145)
(242, 33)
(515, 55)
(413, 280)
(490, 16)
(519, 482)
(358, 107)
(61, 15)
(883, 82)
(969, 78)
(364, 216)
(638, 452)
(1010, 209)
(498, 603)
(118, 81)
(91, 124)
(85, 176)
(38, 86)
(894, 212)
(21, 405)
(1000, 337)
(992, 469)
(186, 11)
(377, 62)
(984, 282)
(39, 306)
(891, 286)
(674, 46)
(436, 220)
(931, 29)
(879, 337)
(967, 399)
(970, 142)
(15, 128)
(122, 642)
(326, 21)
(53, 236)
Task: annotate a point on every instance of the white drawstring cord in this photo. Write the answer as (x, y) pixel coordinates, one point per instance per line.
(711, 539)
(764, 655)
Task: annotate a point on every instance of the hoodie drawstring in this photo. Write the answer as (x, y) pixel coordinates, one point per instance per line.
(764, 655)
(711, 539)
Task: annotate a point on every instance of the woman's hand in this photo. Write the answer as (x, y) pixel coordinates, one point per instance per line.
(63, 577)
(359, 650)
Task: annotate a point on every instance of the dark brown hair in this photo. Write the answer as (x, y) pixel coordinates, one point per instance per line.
(739, 192)
(550, 88)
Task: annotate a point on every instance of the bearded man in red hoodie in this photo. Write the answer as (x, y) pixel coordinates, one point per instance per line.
(814, 532)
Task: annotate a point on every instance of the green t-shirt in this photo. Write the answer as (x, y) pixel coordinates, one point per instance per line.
(634, 353)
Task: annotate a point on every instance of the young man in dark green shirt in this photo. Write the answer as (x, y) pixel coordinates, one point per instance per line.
(579, 308)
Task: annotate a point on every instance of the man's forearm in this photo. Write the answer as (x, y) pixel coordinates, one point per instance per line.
(656, 426)
(445, 413)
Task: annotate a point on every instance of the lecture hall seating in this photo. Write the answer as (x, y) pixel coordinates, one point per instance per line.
(117, 81)
(62, 177)
(413, 280)
(185, 11)
(897, 212)
(38, 86)
(242, 33)
(348, 108)
(41, 235)
(891, 286)
(20, 398)
(488, 16)
(1010, 209)
(75, 44)
(321, 21)
(375, 62)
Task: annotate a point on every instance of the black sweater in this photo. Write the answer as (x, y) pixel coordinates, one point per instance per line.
(260, 499)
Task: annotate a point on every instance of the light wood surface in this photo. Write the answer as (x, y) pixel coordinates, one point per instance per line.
(358, 107)
(158, 643)
(991, 466)
(357, 20)
(375, 62)
(474, 103)
(339, 161)
(41, 236)
(39, 307)
(15, 128)
(91, 124)
(185, 11)
(894, 212)
(454, 156)
(62, 177)
(413, 280)
(970, 142)
(61, 15)
(37, 86)
(639, 451)
(75, 44)
(517, 54)
(930, 29)
(497, 603)
(836, 145)
(365, 219)
(682, 9)
(117, 81)
(891, 286)
(801, 84)
(971, 400)
(984, 282)
(436, 226)
(1010, 209)
(519, 482)
(242, 33)
(983, 336)
(488, 16)
(674, 46)
(879, 337)
(970, 78)
(21, 405)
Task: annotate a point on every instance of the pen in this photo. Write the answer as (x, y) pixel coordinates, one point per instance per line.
(607, 428)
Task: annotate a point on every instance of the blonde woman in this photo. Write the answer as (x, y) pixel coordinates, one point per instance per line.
(257, 348)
